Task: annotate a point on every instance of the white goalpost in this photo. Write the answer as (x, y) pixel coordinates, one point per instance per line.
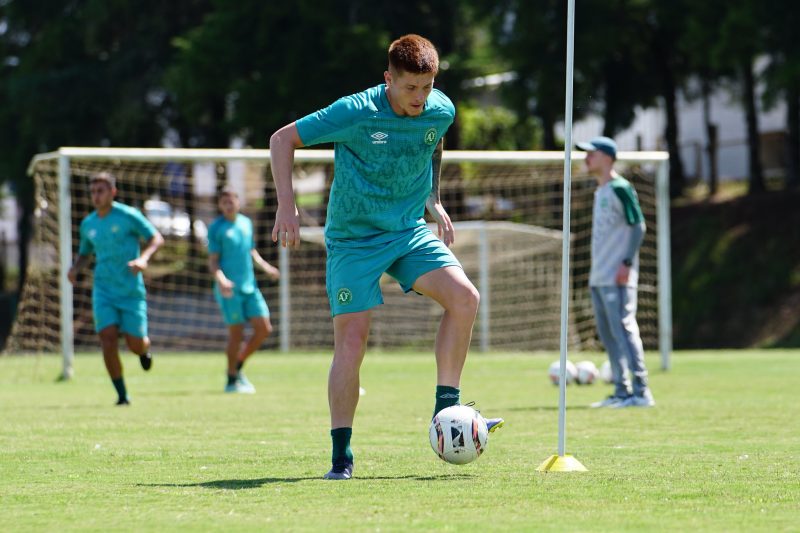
(507, 208)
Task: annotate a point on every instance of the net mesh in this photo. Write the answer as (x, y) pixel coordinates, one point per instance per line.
(508, 237)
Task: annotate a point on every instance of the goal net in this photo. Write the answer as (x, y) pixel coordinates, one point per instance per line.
(508, 212)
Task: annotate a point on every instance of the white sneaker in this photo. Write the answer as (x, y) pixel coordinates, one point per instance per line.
(611, 401)
(645, 400)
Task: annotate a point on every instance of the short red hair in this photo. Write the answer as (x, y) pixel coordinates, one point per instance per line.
(413, 54)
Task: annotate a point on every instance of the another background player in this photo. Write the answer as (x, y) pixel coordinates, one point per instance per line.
(618, 229)
(112, 233)
(232, 253)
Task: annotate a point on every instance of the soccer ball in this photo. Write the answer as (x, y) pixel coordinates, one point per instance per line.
(587, 372)
(553, 372)
(605, 372)
(458, 434)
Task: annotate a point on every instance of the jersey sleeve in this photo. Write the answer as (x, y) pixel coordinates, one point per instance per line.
(86, 247)
(332, 124)
(141, 226)
(252, 234)
(630, 203)
(214, 245)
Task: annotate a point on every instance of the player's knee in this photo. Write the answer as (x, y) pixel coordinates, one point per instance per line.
(353, 340)
(262, 329)
(108, 336)
(466, 300)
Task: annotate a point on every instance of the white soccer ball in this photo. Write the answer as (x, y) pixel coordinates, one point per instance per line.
(605, 372)
(554, 373)
(458, 434)
(587, 372)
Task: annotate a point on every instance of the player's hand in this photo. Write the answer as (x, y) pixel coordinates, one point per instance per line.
(225, 287)
(623, 272)
(272, 273)
(447, 233)
(137, 265)
(72, 276)
(287, 226)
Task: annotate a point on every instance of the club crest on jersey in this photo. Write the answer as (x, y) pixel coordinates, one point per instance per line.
(430, 136)
(344, 296)
(379, 137)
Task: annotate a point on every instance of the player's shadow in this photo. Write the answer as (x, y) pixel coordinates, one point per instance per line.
(232, 484)
(243, 484)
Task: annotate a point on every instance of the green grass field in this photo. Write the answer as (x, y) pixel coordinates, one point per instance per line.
(720, 452)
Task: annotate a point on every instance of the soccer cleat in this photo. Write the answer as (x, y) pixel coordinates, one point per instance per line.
(146, 360)
(341, 469)
(491, 423)
(494, 423)
(241, 378)
(645, 400)
(611, 401)
(123, 401)
(240, 386)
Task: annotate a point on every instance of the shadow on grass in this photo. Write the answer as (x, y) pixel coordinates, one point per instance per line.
(241, 484)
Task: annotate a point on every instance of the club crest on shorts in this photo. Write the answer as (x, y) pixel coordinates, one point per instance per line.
(344, 296)
(430, 136)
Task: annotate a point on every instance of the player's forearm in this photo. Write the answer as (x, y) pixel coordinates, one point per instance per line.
(214, 269)
(437, 171)
(281, 150)
(152, 246)
(258, 260)
(635, 241)
(80, 263)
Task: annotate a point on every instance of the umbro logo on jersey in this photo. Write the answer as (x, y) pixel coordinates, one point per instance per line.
(379, 137)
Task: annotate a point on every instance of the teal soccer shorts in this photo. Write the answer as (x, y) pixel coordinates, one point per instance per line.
(129, 314)
(241, 307)
(353, 273)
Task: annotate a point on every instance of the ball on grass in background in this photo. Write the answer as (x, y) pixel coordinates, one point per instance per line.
(586, 373)
(554, 373)
(458, 434)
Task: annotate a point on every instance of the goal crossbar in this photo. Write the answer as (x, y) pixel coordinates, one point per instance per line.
(66, 156)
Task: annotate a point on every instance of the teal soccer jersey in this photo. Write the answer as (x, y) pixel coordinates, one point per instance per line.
(233, 241)
(383, 172)
(114, 240)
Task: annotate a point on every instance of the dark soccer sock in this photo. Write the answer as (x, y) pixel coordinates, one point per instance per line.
(232, 379)
(239, 366)
(446, 397)
(119, 384)
(341, 444)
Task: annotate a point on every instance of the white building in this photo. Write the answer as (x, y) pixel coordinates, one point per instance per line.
(727, 113)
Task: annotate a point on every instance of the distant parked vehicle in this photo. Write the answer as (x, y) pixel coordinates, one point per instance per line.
(172, 223)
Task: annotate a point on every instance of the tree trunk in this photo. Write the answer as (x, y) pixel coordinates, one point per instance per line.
(548, 125)
(793, 137)
(711, 140)
(677, 179)
(756, 179)
(25, 197)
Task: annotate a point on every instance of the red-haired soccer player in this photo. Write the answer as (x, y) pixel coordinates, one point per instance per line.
(388, 145)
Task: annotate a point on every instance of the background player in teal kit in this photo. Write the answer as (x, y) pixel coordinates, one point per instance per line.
(232, 253)
(112, 234)
(388, 151)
